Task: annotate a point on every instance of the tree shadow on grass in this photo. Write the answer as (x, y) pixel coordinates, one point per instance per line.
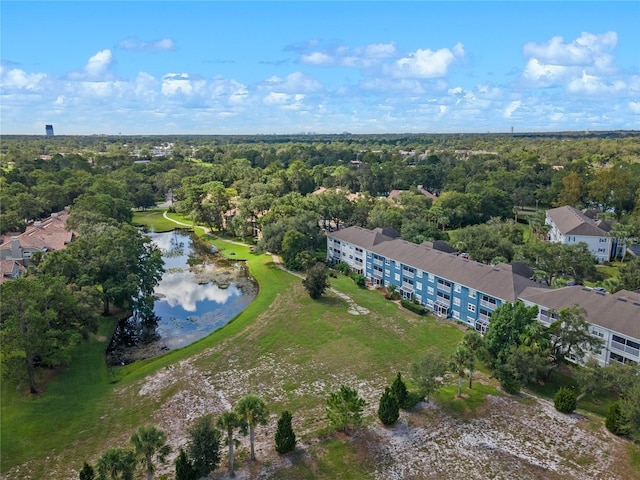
(331, 301)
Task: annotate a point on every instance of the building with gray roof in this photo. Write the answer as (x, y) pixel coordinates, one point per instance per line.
(453, 286)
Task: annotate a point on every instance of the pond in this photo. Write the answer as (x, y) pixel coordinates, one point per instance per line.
(199, 292)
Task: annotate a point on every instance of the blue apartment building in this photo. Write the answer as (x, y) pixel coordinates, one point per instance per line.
(453, 286)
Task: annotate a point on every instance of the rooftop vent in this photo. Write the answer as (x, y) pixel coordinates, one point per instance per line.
(622, 299)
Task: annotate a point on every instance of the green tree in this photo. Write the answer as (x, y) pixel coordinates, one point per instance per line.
(41, 319)
(428, 373)
(285, 436)
(252, 410)
(316, 281)
(570, 335)
(116, 464)
(399, 390)
(344, 408)
(118, 259)
(565, 400)
(184, 468)
(474, 343)
(87, 472)
(204, 446)
(630, 407)
(630, 275)
(388, 408)
(229, 422)
(614, 421)
(459, 361)
(150, 442)
(515, 345)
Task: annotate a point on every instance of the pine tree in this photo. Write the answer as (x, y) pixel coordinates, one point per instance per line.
(87, 472)
(285, 436)
(399, 390)
(184, 468)
(389, 408)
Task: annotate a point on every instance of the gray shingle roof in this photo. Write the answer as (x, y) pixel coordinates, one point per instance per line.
(500, 281)
(619, 311)
(573, 222)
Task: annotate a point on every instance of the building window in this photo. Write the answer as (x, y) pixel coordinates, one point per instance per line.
(456, 301)
(397, 277)
(472, 294)
(457, 288)
(431, 278)
(419, 274)
(471, 307)
(430, 290)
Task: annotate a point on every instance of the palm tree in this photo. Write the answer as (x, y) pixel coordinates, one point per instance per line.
(473, 341)
(459, 361)
(116, 464)
(229, 422)
(253, 411)
(149, 442)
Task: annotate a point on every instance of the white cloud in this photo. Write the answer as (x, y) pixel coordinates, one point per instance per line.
(181, 83)
(579, 66)
(135, 44)
(588, 49)
(99, 63)
(317, 58)
(512, 107)
(592, 84)
(16, 78)
(426, 63)
(634, 107)
(296, 82)
(366, 56)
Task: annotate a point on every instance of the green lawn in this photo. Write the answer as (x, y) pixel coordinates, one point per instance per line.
(153, 219)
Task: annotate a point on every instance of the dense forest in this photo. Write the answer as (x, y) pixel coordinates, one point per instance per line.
(246, 184)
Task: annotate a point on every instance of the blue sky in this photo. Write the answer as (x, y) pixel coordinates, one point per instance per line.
(160, 67)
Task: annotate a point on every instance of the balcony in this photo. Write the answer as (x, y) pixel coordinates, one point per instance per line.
(488, 304)
(625, 348)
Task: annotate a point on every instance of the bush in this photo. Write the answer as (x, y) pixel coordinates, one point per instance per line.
(399, 390)
(285, 436)
(359, 280)
(615, 421)
(389, 408)
(342, 267)
(565, 400)
(415, 308)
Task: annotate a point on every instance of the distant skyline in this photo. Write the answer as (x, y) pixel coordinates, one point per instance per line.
(204, 67)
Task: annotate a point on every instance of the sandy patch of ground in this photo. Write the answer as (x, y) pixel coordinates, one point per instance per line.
(507, 439)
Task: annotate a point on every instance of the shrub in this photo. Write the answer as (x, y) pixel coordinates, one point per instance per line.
(415, 308)
(615, 422)
(285, 436)
(565, 400)
(389, 408)
(342, 267)
(359, 280)
(399, 390)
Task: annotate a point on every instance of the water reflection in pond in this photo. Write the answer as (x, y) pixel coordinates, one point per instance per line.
(199, 293)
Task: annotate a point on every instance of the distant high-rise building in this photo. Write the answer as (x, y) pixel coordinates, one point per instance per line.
(49, 130)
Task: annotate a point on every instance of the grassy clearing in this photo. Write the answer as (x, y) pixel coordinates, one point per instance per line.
(153, 219)
(467, 406)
